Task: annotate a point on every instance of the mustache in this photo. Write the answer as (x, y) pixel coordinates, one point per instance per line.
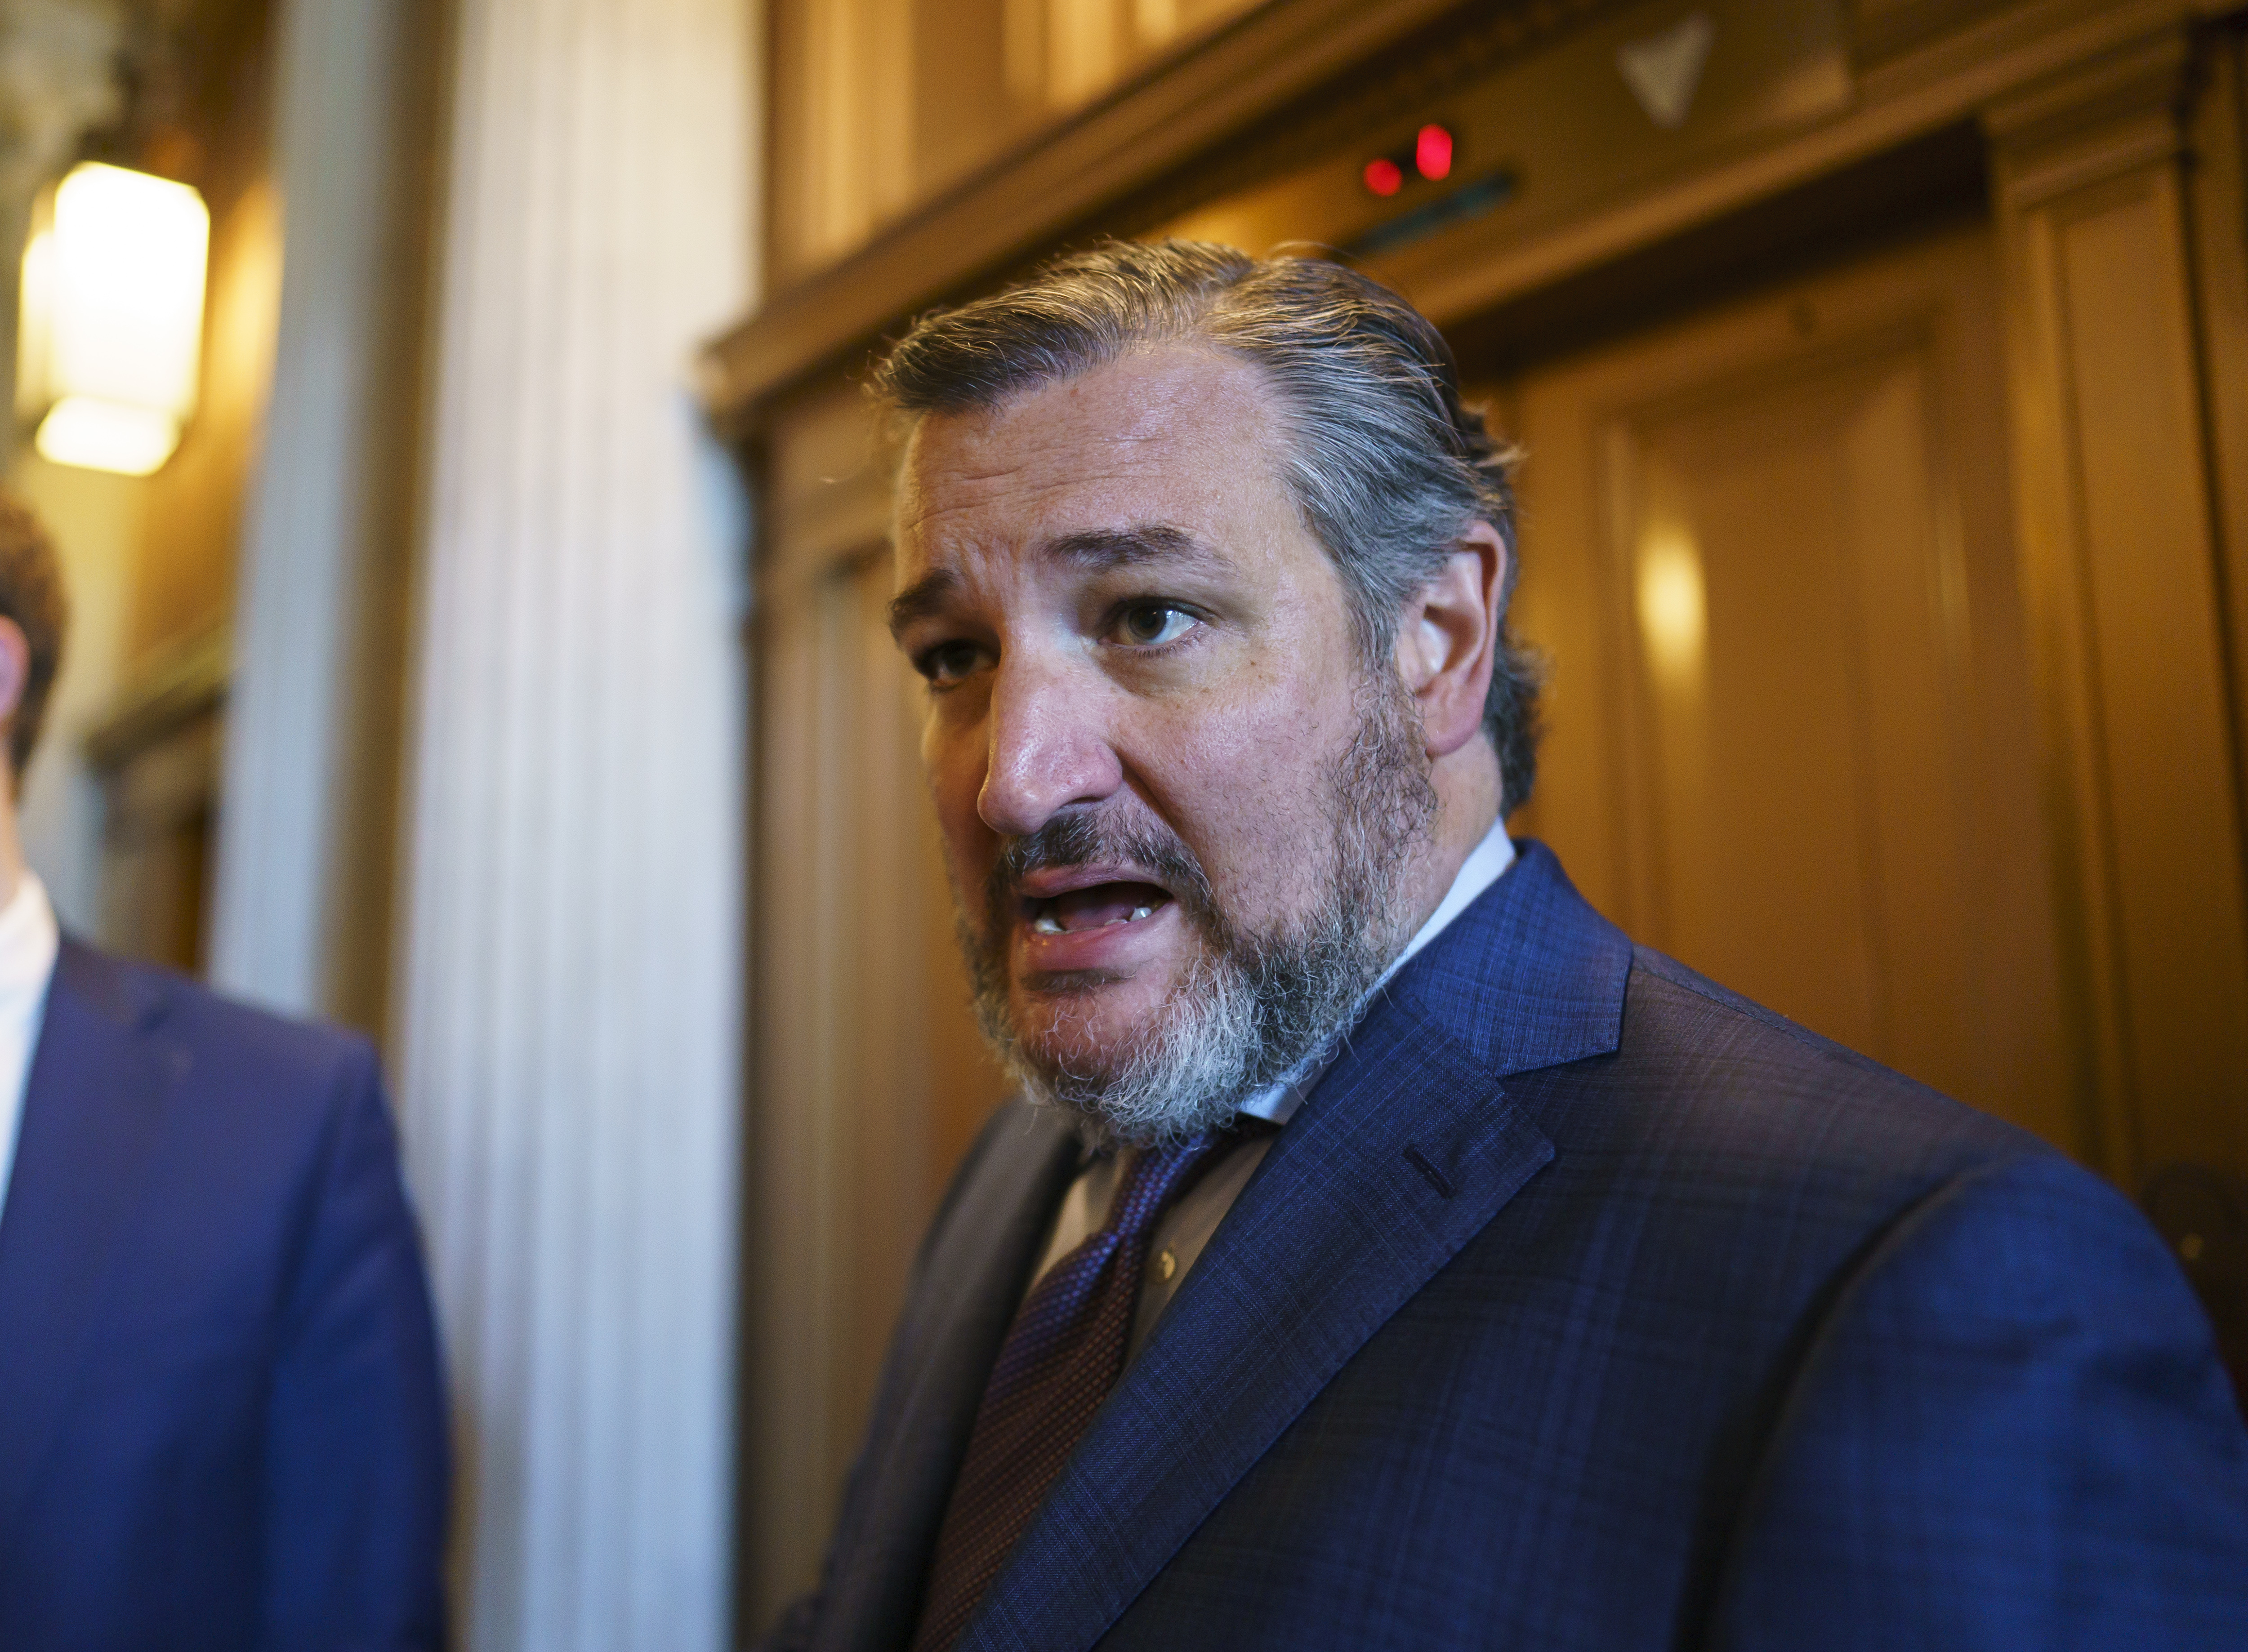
(1085, 840)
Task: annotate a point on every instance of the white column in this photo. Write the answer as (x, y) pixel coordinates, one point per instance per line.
(571, 980)
(320, 510)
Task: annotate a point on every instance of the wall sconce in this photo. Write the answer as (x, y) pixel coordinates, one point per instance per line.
(111, 336)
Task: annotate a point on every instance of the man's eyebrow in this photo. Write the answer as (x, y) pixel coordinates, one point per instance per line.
(1096, 551)
(1101, 549)
(922, 598)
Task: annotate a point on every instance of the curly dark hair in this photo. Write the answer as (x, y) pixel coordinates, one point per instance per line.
(1390, 467)
(32, 594)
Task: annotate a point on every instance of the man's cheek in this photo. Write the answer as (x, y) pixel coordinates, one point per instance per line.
(970, 846)
(1277, 847)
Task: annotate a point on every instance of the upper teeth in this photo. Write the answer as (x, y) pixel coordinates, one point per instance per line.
(1046, 923)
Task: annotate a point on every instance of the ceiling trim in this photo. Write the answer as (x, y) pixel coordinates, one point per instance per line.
(1181, 107)
(1319, 62)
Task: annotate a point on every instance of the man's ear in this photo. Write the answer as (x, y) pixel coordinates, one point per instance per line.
(14, 671)
(1448, 640)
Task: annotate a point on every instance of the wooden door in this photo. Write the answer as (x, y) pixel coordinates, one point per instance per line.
(1769, 552)
(867, 1078)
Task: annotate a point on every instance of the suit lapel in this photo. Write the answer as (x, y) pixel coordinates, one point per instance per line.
(1406, 1150)
(93, 1107)
(1335, 1233)
(981, 1251)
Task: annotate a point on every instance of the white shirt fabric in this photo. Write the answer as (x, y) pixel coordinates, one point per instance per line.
(29, 943)
(1188, 1225)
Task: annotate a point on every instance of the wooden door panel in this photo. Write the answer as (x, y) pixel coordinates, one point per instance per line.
(1767, 551)
(1763, 870)
(868, 1077)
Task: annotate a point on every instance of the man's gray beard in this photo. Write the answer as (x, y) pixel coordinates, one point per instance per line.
(1252, 1008)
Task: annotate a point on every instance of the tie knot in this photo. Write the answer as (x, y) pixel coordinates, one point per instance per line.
(1154, 1177)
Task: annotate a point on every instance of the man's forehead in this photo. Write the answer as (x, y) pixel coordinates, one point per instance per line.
(1177, 419)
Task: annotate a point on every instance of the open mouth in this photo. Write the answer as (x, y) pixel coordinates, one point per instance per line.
(1097, 907)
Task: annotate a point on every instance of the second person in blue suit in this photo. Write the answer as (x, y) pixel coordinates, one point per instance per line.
(222, 1427)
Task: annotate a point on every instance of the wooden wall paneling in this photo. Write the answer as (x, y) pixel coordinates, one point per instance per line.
(2218, 200)
(794, 1295)
(160, 801)
(1047, 181)
(801, 1301)
(965, 106)
(1811, 778)
(1885, 28)
(868, 1079)
(882, 106)
(1561, 606)
(844, 127)
(1278, 89)
(2120, 576)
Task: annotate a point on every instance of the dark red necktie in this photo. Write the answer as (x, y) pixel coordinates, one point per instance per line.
(1062, 1355)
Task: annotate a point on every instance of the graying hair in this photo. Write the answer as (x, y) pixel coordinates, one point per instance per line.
(1388, 465)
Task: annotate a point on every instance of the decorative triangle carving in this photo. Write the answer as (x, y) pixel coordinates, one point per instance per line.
(1665, 71)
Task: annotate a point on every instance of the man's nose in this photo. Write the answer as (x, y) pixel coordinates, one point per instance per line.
(1049, 749)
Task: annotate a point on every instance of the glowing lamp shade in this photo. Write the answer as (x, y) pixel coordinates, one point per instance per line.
(112, 319)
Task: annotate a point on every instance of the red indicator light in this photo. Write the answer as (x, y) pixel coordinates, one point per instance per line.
(1383, 177)
(1432, 153)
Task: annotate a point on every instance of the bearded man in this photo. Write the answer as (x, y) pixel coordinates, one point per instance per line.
(1387, 1253)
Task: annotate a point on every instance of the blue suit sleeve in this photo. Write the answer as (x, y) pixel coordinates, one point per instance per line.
(355, 1451)
(2011, 1431)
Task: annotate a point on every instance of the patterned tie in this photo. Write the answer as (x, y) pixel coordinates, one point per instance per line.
(1063, 1353)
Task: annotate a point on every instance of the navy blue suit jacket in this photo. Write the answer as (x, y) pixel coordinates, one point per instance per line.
(1586, 1304)
(220, 1419)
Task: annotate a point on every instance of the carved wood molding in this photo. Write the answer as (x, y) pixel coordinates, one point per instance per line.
(1310, 70)
(2047, 138)
(1946, 82)
(1306, 74)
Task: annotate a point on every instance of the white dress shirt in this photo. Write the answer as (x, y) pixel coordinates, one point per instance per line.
(1187, 1226)
(29, 942)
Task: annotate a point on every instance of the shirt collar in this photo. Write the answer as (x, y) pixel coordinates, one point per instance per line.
(28, 939)
(1483, 868)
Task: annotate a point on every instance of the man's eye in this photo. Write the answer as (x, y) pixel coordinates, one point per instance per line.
(1146, 624)
(947, 663)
